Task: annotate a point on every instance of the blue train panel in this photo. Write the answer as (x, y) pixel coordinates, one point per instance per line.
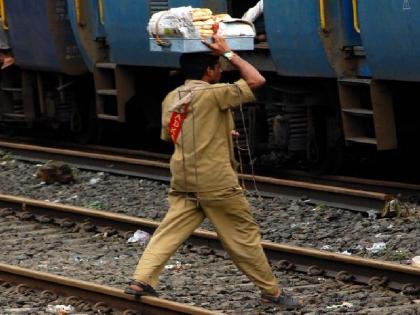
(343, 11)
(390, 32)
(293, 30)
(129, 40)
(43, 24)
(86, 19)
(340, 33)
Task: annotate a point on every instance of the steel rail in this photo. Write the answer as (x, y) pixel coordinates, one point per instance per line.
(95, 293)
(367, 271)
(346, 198)
(345, 181)
(391, 187)
(137, 153)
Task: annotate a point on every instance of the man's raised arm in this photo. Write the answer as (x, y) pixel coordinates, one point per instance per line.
(248, 72)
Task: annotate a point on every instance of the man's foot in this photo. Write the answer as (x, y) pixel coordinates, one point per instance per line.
(282, 299)
(7, 62)
(138, 288)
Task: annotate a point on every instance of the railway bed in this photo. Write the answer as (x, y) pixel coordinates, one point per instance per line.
(404, 189)
(24, 291)
(198, 274)
(360, 199)
(282, 220)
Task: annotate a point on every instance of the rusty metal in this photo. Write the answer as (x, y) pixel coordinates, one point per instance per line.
(285, 265)
(365, 184)
(409, 289)
(23, 289)
(87, 226)
(72, 300)
(344, 276)
(44, 219)
(389, 187)
(101, 297)
(24, 215)
(380, 282)
(66, 223)
(315, 271)
(345, 198)
(362, 270)
(102, 308)
(109, 231)
(49, 295)
(6, 211)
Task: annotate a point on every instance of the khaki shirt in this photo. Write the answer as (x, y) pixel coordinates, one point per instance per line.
(203, 159)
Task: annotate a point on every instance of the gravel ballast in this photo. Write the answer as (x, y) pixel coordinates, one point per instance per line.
(195, 275)
(282, 220)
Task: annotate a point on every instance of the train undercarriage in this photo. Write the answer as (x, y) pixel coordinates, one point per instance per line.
(50, 104)
(291, 124)
(295, 123)
(300, 122)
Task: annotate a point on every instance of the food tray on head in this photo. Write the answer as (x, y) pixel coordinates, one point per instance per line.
(191, 45)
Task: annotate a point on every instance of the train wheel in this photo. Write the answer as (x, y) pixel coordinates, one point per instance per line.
(83, 123)
(325, 152)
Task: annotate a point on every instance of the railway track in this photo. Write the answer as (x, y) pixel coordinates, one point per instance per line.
(92, 246)
(282, 220)
(51, 290)
(361, 199)
(361, 270)
(343, 181)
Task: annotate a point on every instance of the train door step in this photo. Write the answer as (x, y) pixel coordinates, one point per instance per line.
(13, 117)
(358, 111)
(114, 86)
(367, 113)
(107, 92)
(108, 117)
(106, 65)
(363, 140)
(12, 89)
(355, 81)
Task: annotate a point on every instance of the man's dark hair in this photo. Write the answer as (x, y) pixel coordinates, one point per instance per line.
(194, 65)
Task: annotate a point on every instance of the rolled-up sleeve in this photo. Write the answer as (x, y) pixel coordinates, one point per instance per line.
(232, 95)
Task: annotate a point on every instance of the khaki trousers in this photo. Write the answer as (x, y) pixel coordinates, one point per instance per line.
(229, 212)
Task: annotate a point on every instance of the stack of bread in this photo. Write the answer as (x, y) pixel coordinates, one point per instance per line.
(187, 22)
(206, 23)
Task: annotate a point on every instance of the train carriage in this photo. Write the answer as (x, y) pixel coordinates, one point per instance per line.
(338, 72)
(46, 87)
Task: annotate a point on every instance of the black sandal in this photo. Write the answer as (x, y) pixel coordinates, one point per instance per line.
(145, 289)
(287, 301)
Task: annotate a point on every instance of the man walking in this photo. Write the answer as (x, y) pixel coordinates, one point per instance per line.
(196, 117)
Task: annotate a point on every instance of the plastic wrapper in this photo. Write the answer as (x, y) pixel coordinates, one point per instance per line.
(140, 236)
(60, 309)
(176, 22)
(415, 262)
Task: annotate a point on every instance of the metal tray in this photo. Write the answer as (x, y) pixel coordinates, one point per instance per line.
(190, 45)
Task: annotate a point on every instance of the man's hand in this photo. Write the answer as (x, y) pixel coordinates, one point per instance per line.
(219, 45)
(249, 73)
